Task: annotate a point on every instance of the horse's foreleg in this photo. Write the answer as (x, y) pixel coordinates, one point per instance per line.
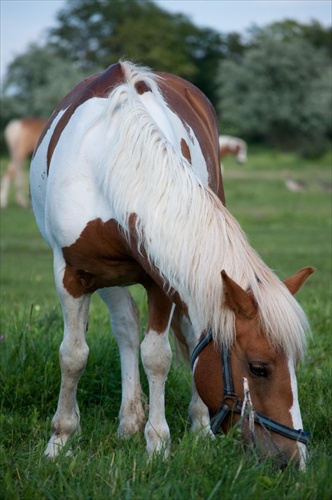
(156, 357)
(198, 411)
(73, 355)
(199, 414)
(124, 321)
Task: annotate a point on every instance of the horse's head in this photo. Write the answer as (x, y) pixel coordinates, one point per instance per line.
(219, 375)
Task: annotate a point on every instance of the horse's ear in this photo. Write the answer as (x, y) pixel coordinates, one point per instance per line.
(295, 282)
(237, 299)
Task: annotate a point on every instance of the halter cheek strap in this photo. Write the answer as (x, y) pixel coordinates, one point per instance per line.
(236, 404)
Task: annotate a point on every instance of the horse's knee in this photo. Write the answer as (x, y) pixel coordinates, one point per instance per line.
(73, 357)
(156, 357)
(156, 354)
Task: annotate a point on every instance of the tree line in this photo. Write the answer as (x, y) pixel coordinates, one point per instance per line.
(270, 84)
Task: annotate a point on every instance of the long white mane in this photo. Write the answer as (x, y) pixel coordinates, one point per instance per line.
(186, 231)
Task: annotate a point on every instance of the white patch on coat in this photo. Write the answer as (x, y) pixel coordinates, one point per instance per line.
(171, 126)
(296, 413)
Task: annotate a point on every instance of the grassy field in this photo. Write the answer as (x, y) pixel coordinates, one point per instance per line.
(290, 230)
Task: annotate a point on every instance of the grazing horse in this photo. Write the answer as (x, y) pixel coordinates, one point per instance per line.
(233, 145)
(21, 137)
(126, 188)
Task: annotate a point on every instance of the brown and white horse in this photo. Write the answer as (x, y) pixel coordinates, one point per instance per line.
(126, 188)
(21, 137)
(233, 145)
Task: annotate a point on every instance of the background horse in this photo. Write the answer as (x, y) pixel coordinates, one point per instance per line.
(21, 138)
(126, 188)
(233, 145)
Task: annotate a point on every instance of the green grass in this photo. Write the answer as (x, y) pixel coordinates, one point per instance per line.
(290, 230)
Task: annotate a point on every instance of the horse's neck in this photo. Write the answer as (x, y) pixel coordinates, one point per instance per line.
(188, 235)
(192, 259)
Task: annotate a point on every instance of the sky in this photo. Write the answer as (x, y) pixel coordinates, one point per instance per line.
(26, 21)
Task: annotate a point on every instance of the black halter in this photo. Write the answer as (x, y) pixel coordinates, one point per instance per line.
(236, 404)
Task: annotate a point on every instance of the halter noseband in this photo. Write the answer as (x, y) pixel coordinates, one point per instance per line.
(236, 406)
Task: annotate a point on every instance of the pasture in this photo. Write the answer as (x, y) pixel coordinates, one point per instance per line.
(290, 230)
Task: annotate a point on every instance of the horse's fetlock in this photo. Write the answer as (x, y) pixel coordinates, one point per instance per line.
(157, 440)
(65, 427)
(132, 419)
(157, 433)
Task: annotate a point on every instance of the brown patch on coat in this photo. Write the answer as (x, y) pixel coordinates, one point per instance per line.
(195, 110)
(99, 258)
(185, 150)
(142, 87)
(159, 308)
(208, 377)
(102, 257)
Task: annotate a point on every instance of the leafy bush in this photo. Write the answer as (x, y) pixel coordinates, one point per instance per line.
(279, 92)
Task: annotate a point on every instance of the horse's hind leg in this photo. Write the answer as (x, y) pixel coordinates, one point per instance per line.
(7, 178)
(19, 182)
(15, 174)
(125, 327)
(73, 355)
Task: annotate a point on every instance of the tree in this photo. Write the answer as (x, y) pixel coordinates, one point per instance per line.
(289, 30)
(104, 31)
(36, 81)
(280, 92)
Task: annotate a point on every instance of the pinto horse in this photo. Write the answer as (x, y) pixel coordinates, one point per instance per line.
(233, 145)
(126, 188)
(21, 137)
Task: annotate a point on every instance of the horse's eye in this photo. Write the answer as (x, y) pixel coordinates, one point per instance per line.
(258, 370)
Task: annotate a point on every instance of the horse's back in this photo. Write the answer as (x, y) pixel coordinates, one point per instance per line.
(77, 136)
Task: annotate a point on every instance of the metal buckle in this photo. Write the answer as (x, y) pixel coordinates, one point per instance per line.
(232, 397)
